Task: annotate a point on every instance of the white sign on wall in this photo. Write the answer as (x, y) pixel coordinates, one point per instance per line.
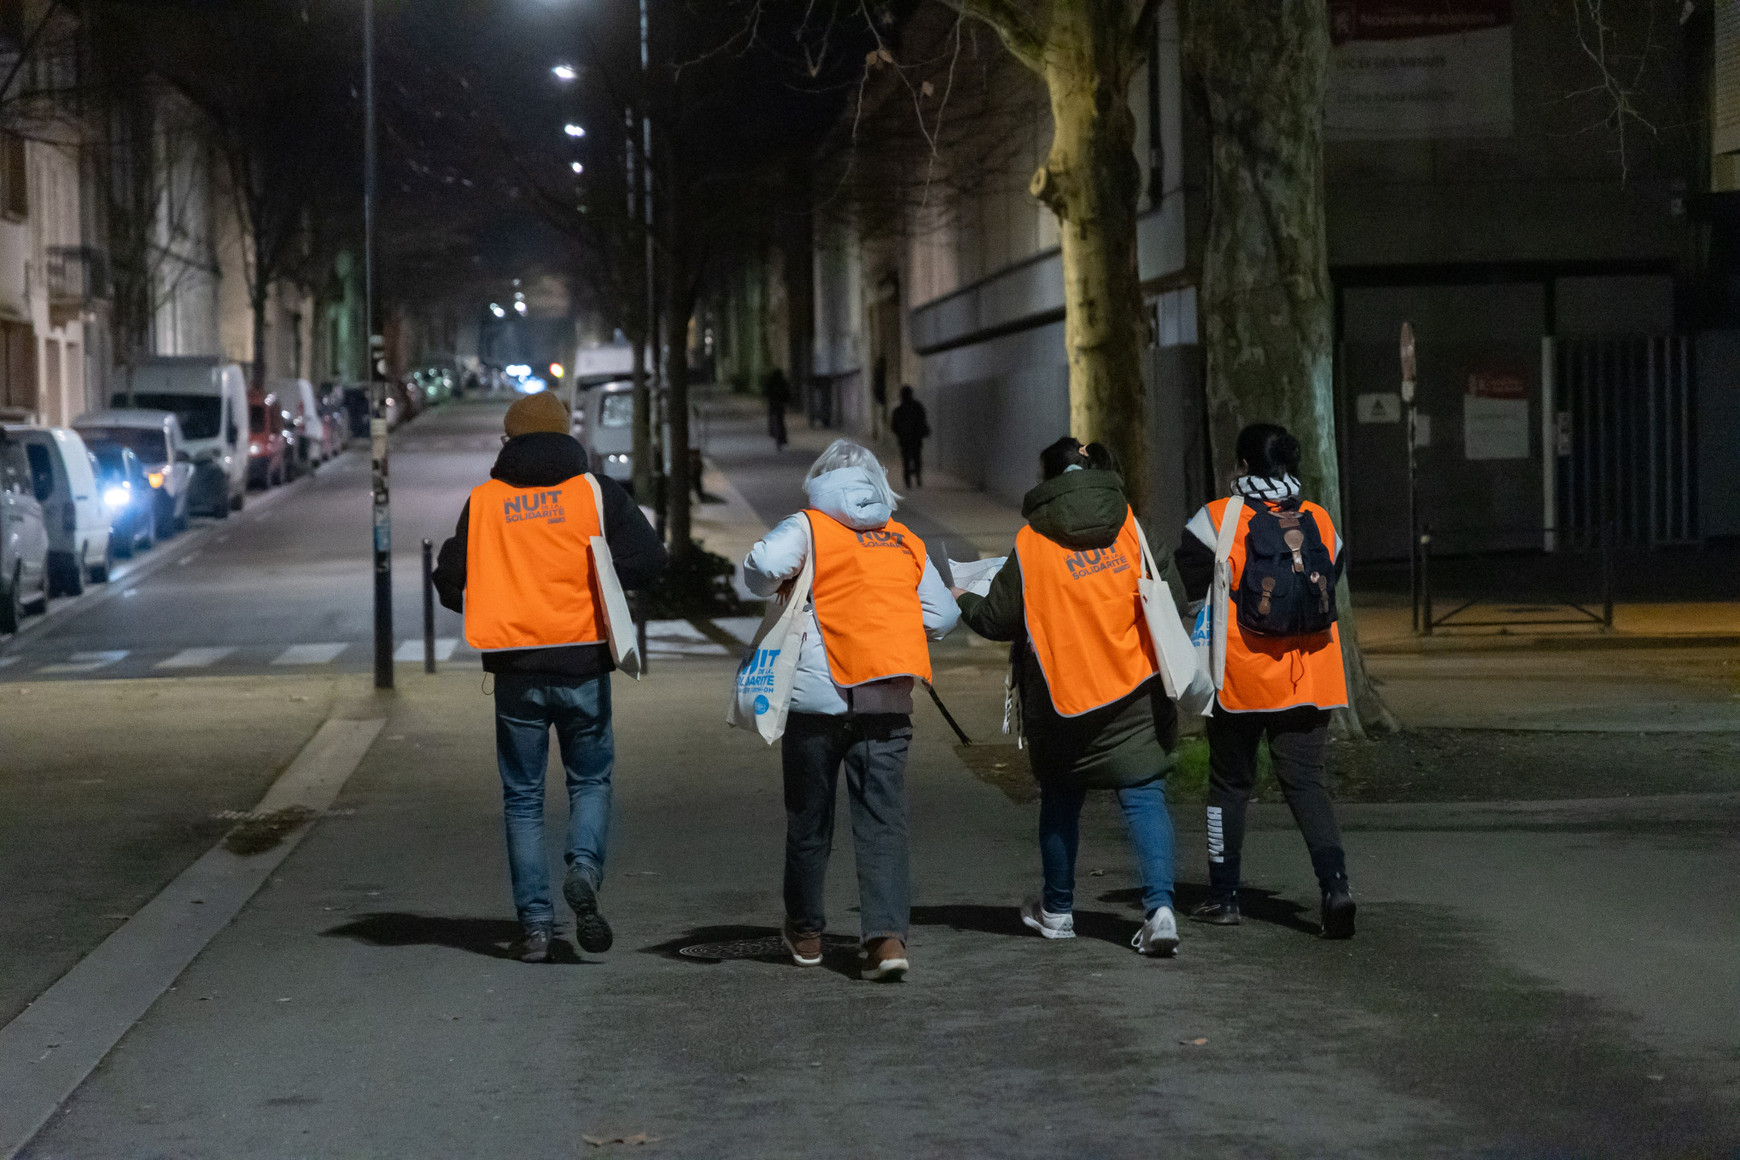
(1379, 407)
(1419, 69)
(1495, 428)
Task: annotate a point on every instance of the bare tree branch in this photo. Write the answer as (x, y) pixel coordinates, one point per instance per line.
(1013, 23)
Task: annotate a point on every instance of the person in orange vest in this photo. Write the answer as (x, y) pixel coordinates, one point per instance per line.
(1283, 670)
(519, 568)
(876, 599)
(1092, 710)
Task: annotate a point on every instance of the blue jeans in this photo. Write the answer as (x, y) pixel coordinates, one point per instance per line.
(1150, 833)
(526, 707)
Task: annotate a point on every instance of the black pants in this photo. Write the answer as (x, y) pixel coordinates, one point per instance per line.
(912, 463)
(1297, 738)
(776, 424)
(872, 747)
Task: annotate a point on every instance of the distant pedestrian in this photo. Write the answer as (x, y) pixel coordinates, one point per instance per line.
(520, 569)
(911, 428)
(1092, 710)
(1283, 670)
(777, 390)
(875, 599)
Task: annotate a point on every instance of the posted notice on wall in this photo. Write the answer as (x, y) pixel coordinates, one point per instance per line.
(1419, 69)
(1495, 416)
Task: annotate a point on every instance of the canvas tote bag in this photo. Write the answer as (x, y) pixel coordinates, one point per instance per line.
(1179, 673)
(761, 691)
(618, 623)
(1208, 636)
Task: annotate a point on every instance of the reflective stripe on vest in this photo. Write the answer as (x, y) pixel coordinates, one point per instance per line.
(528, 571)
(1084, 617)
(1266, 673)
(866, 601)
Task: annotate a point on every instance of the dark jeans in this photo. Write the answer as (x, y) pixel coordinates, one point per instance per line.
(912, 463)
(1150, 825)
(1297, 738)
(873, 749)
(527, 706)
(776, 424)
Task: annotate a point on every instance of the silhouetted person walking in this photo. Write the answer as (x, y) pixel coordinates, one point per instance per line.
(777, 389)
(911, 428)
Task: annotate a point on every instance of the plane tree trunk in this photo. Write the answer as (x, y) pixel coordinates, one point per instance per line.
(1087, 52)
(1265, 298)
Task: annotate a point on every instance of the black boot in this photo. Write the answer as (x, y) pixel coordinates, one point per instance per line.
(1217, 910)
(1338, 909)
(590, 930)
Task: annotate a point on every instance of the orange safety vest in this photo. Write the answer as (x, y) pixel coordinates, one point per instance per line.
(866, 599)
(1266, 673)
(529, 580)
(1084, 617)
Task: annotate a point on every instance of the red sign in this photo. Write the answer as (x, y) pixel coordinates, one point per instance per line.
(1411, 19)
(1498, 385)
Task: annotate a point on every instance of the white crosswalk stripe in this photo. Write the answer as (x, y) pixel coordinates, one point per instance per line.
(196, 658)
(87, 662)
(412, 650)
(4, 661)
(310, 654)
(680, 638)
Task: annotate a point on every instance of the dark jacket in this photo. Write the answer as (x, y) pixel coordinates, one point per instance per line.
(1126, 743)
(909, 423)
(544, 459)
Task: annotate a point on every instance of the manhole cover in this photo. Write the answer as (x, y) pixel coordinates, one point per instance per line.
(768, 947)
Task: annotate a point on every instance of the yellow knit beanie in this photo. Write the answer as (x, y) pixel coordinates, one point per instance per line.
(540, 412)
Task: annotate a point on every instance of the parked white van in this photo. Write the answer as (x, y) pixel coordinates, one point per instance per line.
(155, 437)
(603, 422)
(210, 398)
(64, 479)
(306, 431)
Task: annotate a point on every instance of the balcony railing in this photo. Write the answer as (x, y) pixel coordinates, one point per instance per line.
(77, 277)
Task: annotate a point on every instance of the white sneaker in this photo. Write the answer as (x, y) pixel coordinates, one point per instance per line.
(1046, 923)
(1158, 936)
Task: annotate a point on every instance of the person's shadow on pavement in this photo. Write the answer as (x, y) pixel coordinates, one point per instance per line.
(711, 945)
(1255, 905)
(1006, 920)
(480, 936)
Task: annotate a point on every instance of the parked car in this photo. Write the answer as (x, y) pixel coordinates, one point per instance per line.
(155, 437)
(603, 422)
(23, 537)
(305, 431)
(210, 398)
(64, 478)
(266, 445)
(126, 497)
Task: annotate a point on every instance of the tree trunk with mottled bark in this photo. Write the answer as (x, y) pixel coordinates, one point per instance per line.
(1265, 299)
(1087, 52)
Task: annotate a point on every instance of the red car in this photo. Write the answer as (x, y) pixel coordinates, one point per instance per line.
(266, 444)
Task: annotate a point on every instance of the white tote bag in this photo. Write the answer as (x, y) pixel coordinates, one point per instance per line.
(1178, 668)
(761, 690)
(618, 623)
(1208, 637)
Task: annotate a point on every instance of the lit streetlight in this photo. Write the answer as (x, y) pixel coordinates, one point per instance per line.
(495, 309)
(574, 131)
(576, 167)
(564, 72)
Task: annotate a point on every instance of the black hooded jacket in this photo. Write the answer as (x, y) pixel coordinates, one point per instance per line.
(545, 459)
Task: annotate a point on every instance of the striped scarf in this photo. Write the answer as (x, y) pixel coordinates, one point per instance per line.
(1264, 487)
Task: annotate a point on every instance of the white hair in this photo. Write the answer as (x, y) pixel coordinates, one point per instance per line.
(843, 453)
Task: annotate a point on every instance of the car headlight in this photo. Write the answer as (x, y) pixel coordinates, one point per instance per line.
(253, 449)
(118, 496)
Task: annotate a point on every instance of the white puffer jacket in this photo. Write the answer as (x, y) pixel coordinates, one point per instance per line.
(852, 497)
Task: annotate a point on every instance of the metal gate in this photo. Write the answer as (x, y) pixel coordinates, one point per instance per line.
(1626, 440)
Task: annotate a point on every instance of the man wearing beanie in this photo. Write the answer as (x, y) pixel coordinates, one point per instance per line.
(518, 568)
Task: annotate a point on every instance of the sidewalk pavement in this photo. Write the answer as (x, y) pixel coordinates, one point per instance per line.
(1515, 987)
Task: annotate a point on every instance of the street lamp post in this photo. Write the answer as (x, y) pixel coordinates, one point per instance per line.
(382, 514)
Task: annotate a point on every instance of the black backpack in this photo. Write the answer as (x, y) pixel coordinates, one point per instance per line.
(1288, 584)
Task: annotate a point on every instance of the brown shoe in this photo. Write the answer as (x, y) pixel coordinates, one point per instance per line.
(805, 946)
(882, 959)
